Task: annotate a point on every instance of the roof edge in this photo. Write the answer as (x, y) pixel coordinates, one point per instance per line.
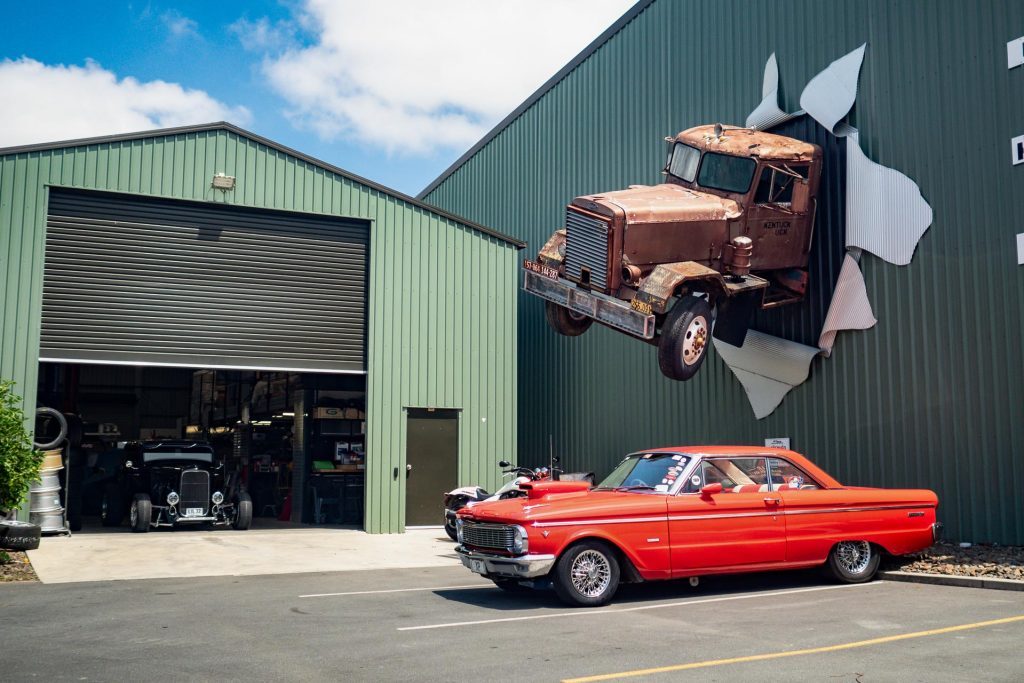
(266, 142)
(585, 54)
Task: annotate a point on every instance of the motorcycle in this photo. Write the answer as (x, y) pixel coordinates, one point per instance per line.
(456, 499)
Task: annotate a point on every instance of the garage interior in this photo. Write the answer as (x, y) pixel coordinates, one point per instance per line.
(166, 320)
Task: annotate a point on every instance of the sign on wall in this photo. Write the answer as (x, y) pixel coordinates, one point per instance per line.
(778, 442)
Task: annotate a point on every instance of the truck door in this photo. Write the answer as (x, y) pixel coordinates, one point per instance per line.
(780, 234)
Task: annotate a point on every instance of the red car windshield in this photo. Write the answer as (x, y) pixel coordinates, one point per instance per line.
(654, 471)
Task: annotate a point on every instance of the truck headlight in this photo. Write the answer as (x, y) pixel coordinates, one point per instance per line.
(520, 542)
(172, 498)
(217, 497)
(458, 529)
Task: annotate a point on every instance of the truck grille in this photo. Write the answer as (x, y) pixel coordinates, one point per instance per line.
(494, 536)
(195, 490)
(586, 246)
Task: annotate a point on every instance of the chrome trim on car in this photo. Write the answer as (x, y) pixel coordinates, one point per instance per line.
(522, 567)
(873, 508)
(624, 520)
(697, 516)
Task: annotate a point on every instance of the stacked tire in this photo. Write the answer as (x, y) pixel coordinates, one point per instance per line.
(45, 509)
(21, 536)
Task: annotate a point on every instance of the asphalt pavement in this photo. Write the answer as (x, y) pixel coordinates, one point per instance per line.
(443, 623)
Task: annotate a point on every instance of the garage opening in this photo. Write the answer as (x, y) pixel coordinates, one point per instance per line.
(175, 333)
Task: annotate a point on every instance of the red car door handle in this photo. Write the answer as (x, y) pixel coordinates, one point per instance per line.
(773, 501)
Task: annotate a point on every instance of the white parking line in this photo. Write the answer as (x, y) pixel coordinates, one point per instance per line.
(398, 590)
(597, 612)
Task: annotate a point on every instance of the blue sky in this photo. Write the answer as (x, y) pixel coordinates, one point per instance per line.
(394, 90)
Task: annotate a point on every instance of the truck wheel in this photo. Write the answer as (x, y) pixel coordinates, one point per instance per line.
(566, 322)
(243, 512)
(586, 575)
(685, 337)
(112, 507)
(141, 513)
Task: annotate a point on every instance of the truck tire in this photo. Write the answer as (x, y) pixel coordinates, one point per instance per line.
(565, 322)
(15, 535)
(141, 513)
(62, 428)
(685, 338)
(853, 561)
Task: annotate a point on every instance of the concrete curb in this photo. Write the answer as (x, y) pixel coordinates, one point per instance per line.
(946, 580)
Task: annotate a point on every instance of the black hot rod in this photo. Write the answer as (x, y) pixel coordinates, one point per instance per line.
(172, 483)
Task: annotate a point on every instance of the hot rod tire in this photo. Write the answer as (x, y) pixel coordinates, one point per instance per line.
(15, 535)
(853, 561)
(243, 512)
(685, 337)
(141, 513)
(112, 506)
(565, 322)
(586, 575)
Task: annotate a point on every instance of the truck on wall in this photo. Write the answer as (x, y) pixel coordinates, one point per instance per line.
(728, 231)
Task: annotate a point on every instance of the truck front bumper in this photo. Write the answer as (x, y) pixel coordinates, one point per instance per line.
(523, 567)
(601, 307)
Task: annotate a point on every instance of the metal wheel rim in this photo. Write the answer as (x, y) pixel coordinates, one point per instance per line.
(854, 556)
(695, 340)
(590, 573)
(134, 515)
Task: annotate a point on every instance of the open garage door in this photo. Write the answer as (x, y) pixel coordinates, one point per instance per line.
(149, 281)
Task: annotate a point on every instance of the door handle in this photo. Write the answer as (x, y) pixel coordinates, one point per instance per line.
(408, 468)
(773, 501)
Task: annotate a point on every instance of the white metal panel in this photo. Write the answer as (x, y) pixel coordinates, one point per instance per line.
(767, 367)
(850, 308)
(830, 95)
(768, 114)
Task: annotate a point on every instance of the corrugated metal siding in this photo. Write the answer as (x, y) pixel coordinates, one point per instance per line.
(440, 328)
(930, 397)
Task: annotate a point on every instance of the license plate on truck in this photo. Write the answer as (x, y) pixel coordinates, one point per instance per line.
(477, 566)
(540, 269)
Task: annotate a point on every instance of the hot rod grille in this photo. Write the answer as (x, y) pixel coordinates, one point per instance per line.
(496, 536)
(586, 246)
(195, 490)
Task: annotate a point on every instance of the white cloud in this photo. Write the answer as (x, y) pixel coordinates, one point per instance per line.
(418, 75)
(58, 102)
(179, 25)
(262, 35)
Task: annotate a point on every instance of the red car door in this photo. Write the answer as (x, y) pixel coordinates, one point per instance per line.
(741, 525)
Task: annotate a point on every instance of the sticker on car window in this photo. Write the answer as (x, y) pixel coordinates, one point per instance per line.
(661, 487)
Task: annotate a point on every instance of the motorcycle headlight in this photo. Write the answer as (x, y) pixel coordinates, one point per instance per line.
(172, 498)
(217, 497)
(520, 542)
(458, 529)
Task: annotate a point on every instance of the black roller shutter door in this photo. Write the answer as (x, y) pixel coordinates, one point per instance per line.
(154, 281)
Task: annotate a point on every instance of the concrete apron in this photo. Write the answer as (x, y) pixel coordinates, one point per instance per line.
(168, 554)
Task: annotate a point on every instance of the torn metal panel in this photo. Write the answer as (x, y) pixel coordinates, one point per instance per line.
(830, 95)
(850, 308)
(885, 212)
(768, 114)
(767, 367)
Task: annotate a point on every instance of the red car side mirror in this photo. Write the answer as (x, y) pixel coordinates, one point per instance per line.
(710, 489)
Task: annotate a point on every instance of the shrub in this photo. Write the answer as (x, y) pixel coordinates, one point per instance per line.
(19, 461)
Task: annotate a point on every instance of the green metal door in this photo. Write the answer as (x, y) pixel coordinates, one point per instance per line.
(431, 461)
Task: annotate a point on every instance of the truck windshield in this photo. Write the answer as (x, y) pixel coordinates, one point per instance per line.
(725, 172)
(682, 162)
(655, 471)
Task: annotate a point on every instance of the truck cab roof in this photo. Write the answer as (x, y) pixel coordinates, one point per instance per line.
(747, 142)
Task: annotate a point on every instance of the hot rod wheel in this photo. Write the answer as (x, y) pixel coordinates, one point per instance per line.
(15, 535)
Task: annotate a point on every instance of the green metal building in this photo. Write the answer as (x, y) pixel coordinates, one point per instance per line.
(932, 395)
(419, 301)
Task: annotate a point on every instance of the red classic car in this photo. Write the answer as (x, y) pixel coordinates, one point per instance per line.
(671, 513)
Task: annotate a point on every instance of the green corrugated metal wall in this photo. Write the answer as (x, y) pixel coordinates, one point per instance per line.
(442, 309)
(933, 395)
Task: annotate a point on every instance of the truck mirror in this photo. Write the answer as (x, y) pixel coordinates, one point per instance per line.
(801, 196)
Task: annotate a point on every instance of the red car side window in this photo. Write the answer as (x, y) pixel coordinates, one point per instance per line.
(786, 475)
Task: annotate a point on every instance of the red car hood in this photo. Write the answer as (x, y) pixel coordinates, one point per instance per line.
(666, 203)
(578, 505)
